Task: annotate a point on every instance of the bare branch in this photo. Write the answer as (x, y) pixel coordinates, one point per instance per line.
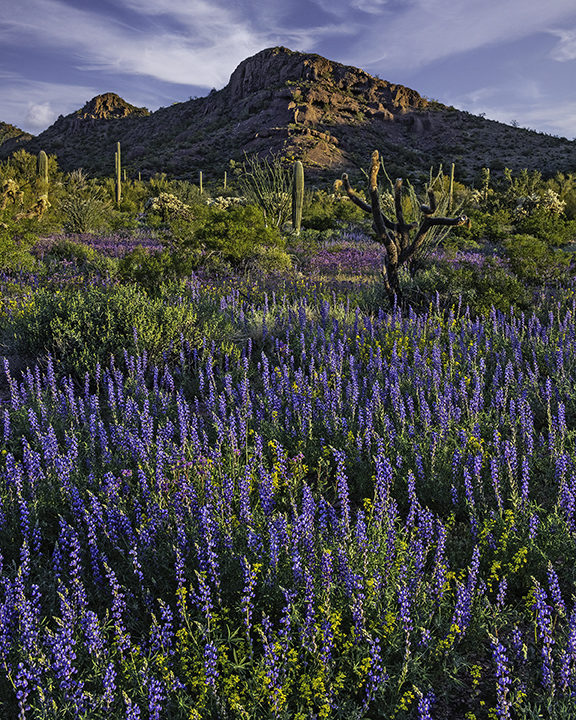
(352, 195)
(427, 223)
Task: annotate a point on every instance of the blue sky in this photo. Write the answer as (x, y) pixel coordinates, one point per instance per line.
(514, 60)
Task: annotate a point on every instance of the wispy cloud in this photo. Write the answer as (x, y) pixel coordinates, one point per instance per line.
(566, 48)
(433, 29)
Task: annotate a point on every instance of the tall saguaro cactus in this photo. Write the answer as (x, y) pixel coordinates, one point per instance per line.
(396, 237)
(297, 196)
(118, 175)
(43, 171)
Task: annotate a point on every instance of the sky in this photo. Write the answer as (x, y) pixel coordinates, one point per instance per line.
(512, 60)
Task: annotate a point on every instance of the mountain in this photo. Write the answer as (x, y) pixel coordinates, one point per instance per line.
(12, 137)
(329, 115)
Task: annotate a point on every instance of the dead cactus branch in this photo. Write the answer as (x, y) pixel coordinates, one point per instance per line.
(397, 237)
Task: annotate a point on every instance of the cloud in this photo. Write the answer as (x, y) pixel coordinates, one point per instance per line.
(566, 48)
(193, 42)
(39, 115)
(433, 29)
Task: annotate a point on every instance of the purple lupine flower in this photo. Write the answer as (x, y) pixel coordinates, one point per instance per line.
(425, 705)
(555, 591)
(376, 674)
(342, 488)
(533, 524)
(247, 601)
(308, 636)
(403, 592)
(306, 521)
(525, 487)
(543, 613)
(132, 710)
(440, 563)
(501, 595)
(568, 657)
(157, 695)
(109, 685)
(118, 608)
(211, 664)
(272, 663)
(95, 641)
(208, 549)
(384, 479)
(503, 680)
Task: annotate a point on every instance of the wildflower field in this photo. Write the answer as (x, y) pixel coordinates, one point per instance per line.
(297, 503)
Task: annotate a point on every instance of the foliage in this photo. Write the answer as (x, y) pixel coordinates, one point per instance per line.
(85, 206)
(233, 234)
(481, 282)
(323, 211)
(16, 239)
(81, 326)
(532, 260)
(267, 183)
(363, 515)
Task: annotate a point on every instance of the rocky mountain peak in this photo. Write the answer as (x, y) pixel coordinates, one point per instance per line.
(107, 106)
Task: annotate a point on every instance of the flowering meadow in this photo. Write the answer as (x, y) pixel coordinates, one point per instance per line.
(336, 511)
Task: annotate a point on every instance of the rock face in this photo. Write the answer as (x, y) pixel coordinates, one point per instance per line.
(330, 116)
(108, 106)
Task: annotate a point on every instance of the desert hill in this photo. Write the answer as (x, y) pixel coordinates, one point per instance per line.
(329, 115)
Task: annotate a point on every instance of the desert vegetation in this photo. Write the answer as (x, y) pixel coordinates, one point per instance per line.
(244, 475)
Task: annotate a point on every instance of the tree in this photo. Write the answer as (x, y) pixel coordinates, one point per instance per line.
(401, 240)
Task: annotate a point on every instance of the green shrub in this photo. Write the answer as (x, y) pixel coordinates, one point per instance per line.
(533, 261)
(271, 259)
(64, 249)
(16, 239)
(234, 234)
(80, 327)
(480, 287)
(325, 212)
(554, 230)
(151, 270)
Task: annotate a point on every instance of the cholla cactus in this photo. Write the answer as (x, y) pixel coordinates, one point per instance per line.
(38, 209)
(549, 201)
(223, 203)
(169, 207)
(11, 192)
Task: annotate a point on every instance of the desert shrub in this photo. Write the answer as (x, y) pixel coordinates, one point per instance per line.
(553, 229)
(165, 208)
(267, 183)
(80, 327)
(64, 249)
(151, 269)
(481, 286)
(16, 240)
(270, 259)
(322, 211)
(532, 260)
(234, 234)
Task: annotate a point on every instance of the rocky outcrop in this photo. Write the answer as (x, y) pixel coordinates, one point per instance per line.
(108, 106)
(329, 115)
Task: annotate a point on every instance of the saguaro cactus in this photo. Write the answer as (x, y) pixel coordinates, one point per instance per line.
(43, 171)
(118, 175)
(297, 196)
(396, 236)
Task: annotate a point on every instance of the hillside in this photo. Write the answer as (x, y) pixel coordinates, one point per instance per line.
(327, 114)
